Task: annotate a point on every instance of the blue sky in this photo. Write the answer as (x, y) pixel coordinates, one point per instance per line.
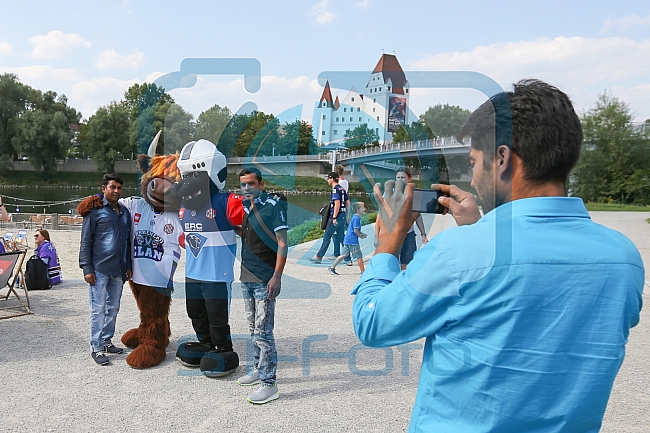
(93, 51)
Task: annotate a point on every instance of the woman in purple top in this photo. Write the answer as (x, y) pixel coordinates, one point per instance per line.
(46, 252)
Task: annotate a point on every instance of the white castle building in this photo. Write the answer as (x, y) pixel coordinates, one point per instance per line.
(383, 107)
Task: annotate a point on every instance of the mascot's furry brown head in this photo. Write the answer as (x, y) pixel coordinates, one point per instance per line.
(159, 173)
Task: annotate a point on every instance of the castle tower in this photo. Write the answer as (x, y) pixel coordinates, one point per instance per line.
(387, 95)
(323, 116)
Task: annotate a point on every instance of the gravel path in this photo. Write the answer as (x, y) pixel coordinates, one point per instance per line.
(327, 381)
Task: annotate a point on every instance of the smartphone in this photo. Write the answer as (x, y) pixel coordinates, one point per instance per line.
(426, 201)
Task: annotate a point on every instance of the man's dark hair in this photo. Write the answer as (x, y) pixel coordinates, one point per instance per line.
(252, 170)
(112, 176)
(537, 121)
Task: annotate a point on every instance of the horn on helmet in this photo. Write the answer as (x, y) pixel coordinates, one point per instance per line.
(152, 147)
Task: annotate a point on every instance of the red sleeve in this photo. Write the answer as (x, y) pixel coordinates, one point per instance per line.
(181, 240)
(235, 210)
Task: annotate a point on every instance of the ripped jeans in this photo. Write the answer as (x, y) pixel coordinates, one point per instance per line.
(260, 313)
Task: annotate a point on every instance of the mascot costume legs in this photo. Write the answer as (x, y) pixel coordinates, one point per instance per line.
(209, 218)
(157, 237)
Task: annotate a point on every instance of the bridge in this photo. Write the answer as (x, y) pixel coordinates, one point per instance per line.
(383, 152)
(411, 149)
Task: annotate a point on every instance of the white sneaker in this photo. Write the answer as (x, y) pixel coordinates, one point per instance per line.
(253, 378)
(264, 394)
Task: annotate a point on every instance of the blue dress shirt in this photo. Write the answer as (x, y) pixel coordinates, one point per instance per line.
(525, 313)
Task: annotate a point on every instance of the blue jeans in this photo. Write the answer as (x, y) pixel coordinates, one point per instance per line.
(338, 232)
(260, 313)
(104, 299)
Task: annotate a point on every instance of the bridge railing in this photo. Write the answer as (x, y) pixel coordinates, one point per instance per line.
(279, 158)
(438, 143)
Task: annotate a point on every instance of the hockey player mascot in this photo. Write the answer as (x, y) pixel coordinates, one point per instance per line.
(208, 216)
(156, 241)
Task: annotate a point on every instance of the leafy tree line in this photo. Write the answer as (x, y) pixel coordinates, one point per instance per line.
(614, 164)
(34, 123)
(44, 128)
(127, 128)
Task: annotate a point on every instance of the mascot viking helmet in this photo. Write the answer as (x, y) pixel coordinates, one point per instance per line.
(203, 156)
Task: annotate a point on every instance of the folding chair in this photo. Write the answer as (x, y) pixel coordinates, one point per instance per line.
(21, 240)
(11, 303)
(8, 240)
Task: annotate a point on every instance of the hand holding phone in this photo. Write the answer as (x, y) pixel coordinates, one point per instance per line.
(426, 201)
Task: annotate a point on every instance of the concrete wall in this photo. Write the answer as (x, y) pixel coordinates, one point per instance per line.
(79, 166)
(289, 168)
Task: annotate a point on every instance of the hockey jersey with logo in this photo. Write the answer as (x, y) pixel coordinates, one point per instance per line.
(210, 241)
(156, 239)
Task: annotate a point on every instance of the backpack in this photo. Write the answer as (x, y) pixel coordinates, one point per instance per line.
(325, 215)
(36, 274)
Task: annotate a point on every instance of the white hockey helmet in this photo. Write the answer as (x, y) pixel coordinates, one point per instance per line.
(203, 155)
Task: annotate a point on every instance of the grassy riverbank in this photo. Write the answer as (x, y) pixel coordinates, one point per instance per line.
(615, 207)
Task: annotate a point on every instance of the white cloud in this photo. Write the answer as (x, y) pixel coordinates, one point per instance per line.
(364, 4)
(276, 95)
(56, 44)
(153, 76)
(33, 75)
(323, 16)
(625, 23)
(583, 67)
(91, 94)
(6, 49)
(114, 60)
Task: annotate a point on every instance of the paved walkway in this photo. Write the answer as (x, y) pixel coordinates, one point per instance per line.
(327, 381)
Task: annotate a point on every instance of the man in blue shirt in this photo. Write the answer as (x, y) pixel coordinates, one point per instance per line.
(336, 224)
(105, 258)
(526, 311)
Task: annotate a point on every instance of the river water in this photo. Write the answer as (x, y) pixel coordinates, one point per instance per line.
(39, 200)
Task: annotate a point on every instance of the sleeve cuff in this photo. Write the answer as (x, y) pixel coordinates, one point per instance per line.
(383, 266)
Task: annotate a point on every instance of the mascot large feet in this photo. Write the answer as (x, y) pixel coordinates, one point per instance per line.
(151, 338)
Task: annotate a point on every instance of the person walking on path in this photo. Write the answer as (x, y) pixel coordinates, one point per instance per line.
(263, 257)
(105, 258)
(351, 246)
(336, 224)
(342, 180)
(409, 246)
(526, 310)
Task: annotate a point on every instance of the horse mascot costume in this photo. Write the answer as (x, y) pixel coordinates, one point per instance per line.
(156, 241)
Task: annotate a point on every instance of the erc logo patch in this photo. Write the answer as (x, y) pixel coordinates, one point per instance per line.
(169, 229)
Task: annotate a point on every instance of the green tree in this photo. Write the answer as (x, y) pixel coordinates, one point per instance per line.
(179, 128)
(43, 131)
(106, 136)
(139, 97)
(13, 97)
(146, 103)
(444, 120)
(211, 124)
(297, 139)
(360, 136)
(257, 135)
(615, 160)
(417, 131)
